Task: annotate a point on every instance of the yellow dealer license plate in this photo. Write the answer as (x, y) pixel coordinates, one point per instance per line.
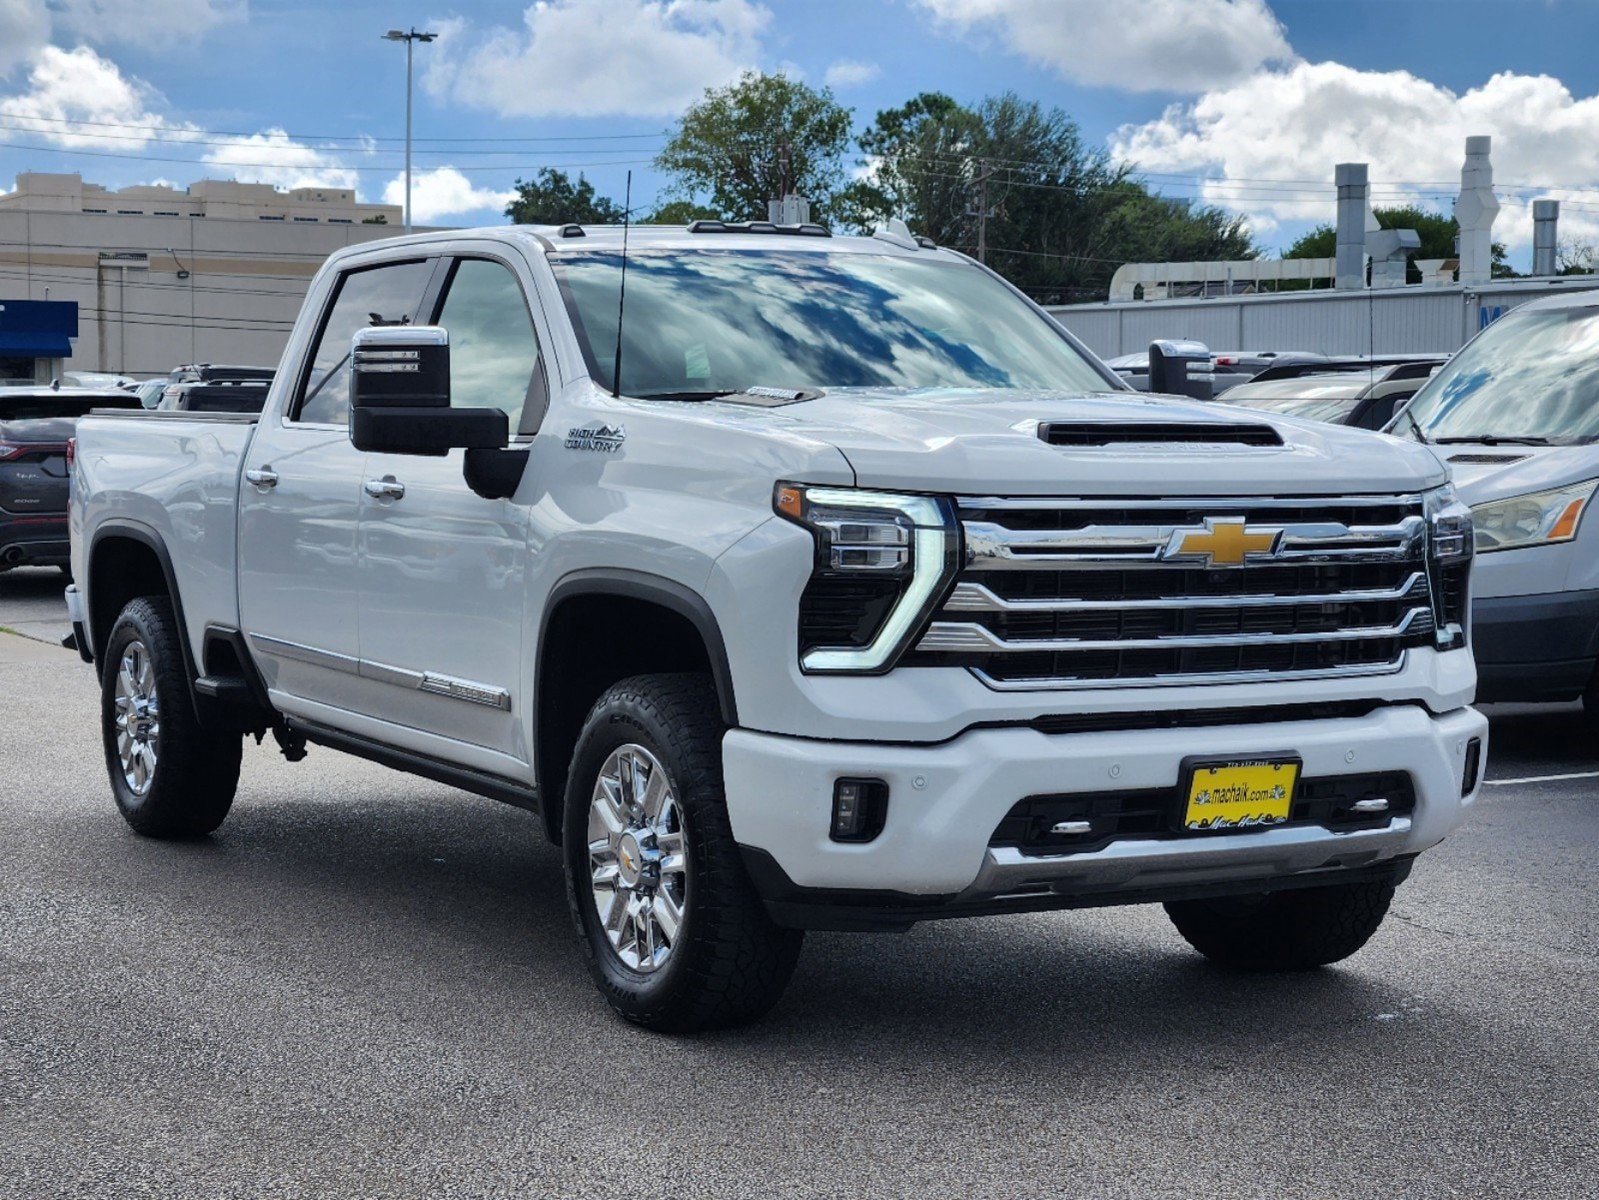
(1240, 793)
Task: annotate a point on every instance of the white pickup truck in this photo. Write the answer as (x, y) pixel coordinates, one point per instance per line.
(825, 583)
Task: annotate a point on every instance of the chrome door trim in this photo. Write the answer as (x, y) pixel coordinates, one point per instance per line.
(465, 689)
(299, 652)
(431, 682)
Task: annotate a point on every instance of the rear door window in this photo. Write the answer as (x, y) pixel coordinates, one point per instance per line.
(385, 295)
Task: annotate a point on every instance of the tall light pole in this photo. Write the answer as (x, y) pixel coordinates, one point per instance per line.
(400, 35)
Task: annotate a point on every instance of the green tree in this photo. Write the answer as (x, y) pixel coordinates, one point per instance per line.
(1062, 216)
(551, 198)
(759, 139)
(681, 212)
(1437, 232)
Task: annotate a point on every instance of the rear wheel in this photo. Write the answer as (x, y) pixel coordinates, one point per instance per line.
(675, 936)
(1294, 930)
(170, 778)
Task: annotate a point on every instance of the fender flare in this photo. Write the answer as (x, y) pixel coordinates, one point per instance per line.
(655, 589)
(124, 528)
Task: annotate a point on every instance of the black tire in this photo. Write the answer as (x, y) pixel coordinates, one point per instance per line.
(729, 962)
(195, 773)
(1295, 930)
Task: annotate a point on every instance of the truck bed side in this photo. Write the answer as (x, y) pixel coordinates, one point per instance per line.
(161, 487)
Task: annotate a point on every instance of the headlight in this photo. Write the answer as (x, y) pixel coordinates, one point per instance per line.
(1449, 522)
(1533, 519)
(882, 560)
(1449, 553)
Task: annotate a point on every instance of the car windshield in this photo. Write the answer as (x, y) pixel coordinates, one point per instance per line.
(36, 408)
(707, 321)
(1531, 376)
(1317, 398)
(1323, 402)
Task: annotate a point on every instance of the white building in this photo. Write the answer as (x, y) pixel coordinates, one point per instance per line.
(162, 276)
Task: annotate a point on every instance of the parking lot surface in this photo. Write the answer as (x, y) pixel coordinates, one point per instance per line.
(366, 984)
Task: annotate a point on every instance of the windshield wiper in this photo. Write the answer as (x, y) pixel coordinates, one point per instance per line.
(706, 395)
(1414, 424)
(1495, 439)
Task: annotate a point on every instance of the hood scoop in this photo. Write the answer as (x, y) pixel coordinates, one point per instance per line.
(1487, 459)
(1157, 433)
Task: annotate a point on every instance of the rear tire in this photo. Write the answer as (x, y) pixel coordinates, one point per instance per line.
(1295, 930)
(169, 777)
(674, 934)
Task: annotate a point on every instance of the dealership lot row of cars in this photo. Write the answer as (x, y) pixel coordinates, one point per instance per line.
(36, 426)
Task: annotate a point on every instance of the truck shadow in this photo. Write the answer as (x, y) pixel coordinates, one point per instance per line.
(457, 897)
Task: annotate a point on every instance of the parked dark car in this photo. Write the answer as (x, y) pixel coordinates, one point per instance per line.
(1228, 368)
(213, 373)
(35, 423)
(1365, 393)
(243, 396)
(220, 373)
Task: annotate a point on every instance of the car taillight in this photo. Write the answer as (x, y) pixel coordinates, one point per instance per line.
(8, 451)
(72, 452)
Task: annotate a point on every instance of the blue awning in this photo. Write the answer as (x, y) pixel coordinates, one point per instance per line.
(17, 343)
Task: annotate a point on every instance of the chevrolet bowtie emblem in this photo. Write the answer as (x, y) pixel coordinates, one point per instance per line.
(1223, 542)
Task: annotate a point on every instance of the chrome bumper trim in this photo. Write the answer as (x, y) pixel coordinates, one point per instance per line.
(1143, 863)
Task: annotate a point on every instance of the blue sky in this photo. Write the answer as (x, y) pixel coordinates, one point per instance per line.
(1243, 102)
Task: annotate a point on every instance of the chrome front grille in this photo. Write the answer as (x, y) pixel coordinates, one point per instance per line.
(1075, 593)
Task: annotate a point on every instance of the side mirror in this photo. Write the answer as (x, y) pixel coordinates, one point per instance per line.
(400, 396)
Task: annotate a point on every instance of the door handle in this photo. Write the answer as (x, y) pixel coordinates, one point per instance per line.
(262, 477)
(387, 488)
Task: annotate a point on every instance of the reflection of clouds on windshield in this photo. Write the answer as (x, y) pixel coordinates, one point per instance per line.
(1532, 374)
(813, 320)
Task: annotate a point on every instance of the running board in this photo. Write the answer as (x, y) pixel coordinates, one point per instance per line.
(481, 783)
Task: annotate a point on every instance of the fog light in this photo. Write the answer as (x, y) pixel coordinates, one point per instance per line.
(1468, 778)
(860, 807)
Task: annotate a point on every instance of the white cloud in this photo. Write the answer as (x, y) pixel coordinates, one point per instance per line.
(444, 192)
(1134, 45)
(597, 57)
(66, 86)
(150, 23)
(848, 73)
(276, 158)
(1295, 124)
(24, 28)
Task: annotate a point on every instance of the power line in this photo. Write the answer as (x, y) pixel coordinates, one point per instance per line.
(332, 137)
(292, 166)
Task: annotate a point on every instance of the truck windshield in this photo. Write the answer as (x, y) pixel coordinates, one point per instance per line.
(700, 322)
(1530, 377)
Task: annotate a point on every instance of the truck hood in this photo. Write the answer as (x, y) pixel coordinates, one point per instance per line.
(982, 442)
(1482, 472)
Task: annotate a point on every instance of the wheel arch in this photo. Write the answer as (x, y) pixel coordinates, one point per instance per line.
(128, 559)
(599, 627)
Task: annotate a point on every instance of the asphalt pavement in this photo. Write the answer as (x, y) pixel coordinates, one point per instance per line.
(366, 984)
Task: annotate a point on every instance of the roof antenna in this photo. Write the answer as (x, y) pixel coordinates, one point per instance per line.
(621, 291)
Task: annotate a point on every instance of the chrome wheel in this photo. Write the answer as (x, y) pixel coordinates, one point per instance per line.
(637, 865)
(138, 718)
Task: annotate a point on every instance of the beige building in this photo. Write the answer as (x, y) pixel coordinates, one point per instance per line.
(162, 276)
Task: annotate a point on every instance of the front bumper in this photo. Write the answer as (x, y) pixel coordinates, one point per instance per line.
(933, 856)
(1540, 647)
